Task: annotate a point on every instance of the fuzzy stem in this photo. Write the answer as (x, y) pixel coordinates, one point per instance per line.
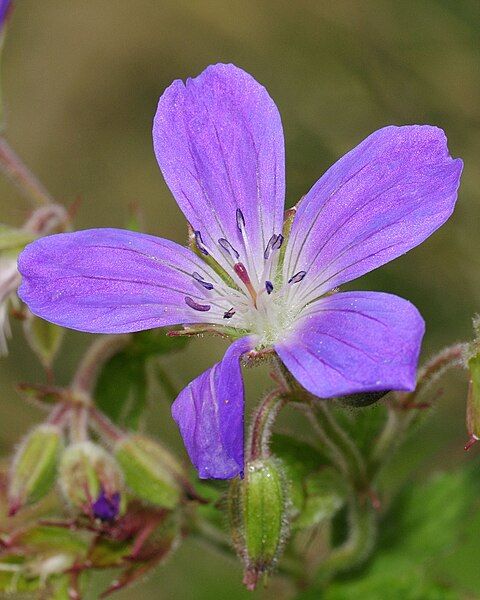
(79, 423)
(104, 426)
(406, 413)
(262, 422)
(14, 168)
(95, 358)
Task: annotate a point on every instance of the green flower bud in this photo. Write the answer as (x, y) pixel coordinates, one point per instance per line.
(150, 470)
(34, 466)
(259, 516)
(91, 480)
(473, 402)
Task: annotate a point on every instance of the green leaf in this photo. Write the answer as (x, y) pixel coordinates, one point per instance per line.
(122, 387)
(325, 495)
(14, 239)
(363, 425)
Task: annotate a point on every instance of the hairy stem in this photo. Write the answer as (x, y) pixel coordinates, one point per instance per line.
(95, 358)
(262, 422)
(15, 169)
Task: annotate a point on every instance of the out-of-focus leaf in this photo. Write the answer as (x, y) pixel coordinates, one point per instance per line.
(300, 459)
(121, 390)
(325, 494)
(108, 553)
(362, 425)
(14, 239)
(44, 338)
(40, 394)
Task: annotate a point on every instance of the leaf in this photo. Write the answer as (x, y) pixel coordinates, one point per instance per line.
(325, 495)
(122, 387)
(14, 239)
(362, 424)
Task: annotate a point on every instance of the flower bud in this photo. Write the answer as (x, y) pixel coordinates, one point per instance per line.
(150, 471)
(473, 402)
(34, 466)
(91, 480)
(258, 512)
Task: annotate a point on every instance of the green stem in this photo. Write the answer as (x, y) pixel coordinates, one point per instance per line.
(343, 451)
(262, 423)
(94, 359)
(167, 384)
(407, 411)
(359, 544)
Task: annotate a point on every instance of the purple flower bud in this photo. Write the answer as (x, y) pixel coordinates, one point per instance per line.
(106, 508)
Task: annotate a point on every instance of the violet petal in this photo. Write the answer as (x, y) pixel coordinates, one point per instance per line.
(377, 202)
(355, 342)
(210, 413)
(219, 143)
(112, 281)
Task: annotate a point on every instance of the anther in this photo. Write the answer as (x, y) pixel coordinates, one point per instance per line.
(269, 246)
(199, 242)
(240, 219)
(297, 277)
(195, 305)
(277, 244)
(229, 314)
(199, 279)
(226, 245)
(269, 287)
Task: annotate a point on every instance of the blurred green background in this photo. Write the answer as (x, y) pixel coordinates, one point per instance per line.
(81, 82)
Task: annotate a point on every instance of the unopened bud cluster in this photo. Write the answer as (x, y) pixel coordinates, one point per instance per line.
(95, 480)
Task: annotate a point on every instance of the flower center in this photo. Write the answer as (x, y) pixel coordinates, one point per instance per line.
(251, 296)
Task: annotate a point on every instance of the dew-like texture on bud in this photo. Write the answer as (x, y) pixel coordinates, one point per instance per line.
(90, 480)
(150, 470)
(259, 516)
(34, 466)
(473, 399)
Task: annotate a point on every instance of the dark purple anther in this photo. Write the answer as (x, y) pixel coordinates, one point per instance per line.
(269, 287)
(195, 305)
(297, 277)
(269, 247)
(199, 242)
(199, 279)
(240, 219)
(229, 314)
(105, 507)
(277, 244)
(226, 245)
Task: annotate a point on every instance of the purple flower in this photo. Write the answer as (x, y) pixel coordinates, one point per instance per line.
(219, 143)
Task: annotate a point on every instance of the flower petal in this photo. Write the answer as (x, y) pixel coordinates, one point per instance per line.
(355, 342)
(209, 413)
(219, 143)
(113, 281)
(377, 202)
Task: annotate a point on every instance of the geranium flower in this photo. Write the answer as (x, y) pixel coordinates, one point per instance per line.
(5, 8)
(219, 143)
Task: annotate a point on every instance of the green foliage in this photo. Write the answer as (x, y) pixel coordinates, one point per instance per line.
(122, 387)
(44, 338)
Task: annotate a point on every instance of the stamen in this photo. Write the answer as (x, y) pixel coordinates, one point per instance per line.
(195, 305)
(297, 277)
(240, 219)
(269, 247)
(199, 279)
(229, 314)
(226, 245)
(242, 273)
(277, 244)
(199, 242)
(269, 287)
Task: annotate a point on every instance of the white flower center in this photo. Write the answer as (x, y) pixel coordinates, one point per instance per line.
(254, 298)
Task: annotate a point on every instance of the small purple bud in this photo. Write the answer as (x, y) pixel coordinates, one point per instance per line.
(106, 508)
